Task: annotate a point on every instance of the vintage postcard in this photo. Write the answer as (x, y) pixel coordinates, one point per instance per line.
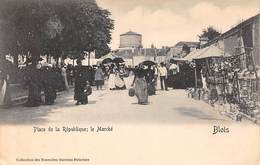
(119, 82)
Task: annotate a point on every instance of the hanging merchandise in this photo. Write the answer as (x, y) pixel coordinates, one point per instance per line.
(229, 80)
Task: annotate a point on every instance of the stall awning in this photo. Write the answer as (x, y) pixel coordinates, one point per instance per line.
(211, 51)
(193, 54)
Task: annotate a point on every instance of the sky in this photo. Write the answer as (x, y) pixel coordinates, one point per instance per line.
(166, 22)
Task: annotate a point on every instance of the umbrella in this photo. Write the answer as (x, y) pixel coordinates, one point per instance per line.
(177, 59)
(107, 60)
(148, 63)
(118, 60)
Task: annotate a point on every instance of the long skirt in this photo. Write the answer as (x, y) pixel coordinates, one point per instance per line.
(65, 82)
(79, 94)
(64, 76)
(141, 91)
(50, 95)
(151, 88)
(119, 82)
(5, 97)
(111, 81)
(2, 91)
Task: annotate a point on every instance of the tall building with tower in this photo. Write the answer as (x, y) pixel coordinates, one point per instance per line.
(130, 40)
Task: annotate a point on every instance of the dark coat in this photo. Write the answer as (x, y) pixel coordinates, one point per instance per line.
(80, 84)
(34, 81)
(49, 85)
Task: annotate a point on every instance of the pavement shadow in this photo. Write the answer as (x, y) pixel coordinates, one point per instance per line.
(195, 113)
(20, 115)
(24, 115)
(92, 102)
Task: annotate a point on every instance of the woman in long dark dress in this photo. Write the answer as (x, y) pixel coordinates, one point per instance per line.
(34, 82)
(80, 84)
(140, 85)
(49, 81)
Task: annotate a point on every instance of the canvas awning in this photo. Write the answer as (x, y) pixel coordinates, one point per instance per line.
(211, 51)
(193, 54)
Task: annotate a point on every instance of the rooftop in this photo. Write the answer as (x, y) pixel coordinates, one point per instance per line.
(130, 33)
(188, 43)
(242, 24)
(235, 29)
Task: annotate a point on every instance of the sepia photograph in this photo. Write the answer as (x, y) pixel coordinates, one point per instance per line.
(141, 82)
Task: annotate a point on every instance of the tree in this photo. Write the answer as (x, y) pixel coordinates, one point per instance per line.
(87, 29)
(103, 50)
(53, 27)
(210, 33)
(23, 24)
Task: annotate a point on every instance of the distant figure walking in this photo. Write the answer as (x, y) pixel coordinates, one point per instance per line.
(156, 72)
(99, 77)
(64, 75)
(163, 76)
(140, 85)
(111, 78)
(172, 75)
(69, 73)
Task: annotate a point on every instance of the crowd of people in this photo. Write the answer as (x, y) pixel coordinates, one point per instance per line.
(144, 81)
(44, 81)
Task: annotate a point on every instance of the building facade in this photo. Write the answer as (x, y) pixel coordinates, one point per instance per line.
(130, 40)
(181, 49)
(245, 37)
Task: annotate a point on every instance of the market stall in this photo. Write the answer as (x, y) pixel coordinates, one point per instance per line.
(228, 80)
